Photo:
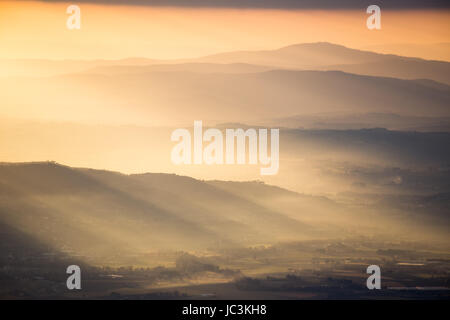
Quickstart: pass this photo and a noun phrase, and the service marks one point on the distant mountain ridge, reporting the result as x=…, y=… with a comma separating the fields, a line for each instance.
x=224, y=97
x=307, y=56
x=328, y=56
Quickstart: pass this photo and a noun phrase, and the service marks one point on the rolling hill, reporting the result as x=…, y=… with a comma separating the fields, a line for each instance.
x=100, y=213
x=104, y=216
x=307, y=56
x=177, y=97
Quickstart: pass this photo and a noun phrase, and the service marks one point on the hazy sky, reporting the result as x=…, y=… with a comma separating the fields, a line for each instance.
x=30, y=29
x=278, y=4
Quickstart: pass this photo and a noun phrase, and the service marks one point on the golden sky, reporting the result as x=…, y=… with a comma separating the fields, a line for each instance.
x=38, y=30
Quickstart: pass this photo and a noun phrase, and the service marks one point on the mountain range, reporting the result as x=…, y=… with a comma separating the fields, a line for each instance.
x=307, y=56
x=104, y=214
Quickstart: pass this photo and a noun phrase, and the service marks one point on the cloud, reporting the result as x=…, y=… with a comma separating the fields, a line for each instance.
x=279, y=4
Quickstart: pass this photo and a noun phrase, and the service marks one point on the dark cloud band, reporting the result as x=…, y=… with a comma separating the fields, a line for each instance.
x=280, y=4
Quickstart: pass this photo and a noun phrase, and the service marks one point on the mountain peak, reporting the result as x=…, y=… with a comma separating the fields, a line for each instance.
x=314, y=45
x=327, y=48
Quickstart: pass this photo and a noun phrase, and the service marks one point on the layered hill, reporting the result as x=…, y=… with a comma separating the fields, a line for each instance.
x=107, y=216
x=306, y=56
x=174, y=97
x=104, y=214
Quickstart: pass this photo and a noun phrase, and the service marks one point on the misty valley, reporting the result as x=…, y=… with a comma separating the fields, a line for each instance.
x=358, y=163
x=214, y=152
x=162, y=236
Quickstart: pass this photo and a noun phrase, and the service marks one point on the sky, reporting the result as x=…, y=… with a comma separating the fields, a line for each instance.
x=277, y=4
x=30, y=29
